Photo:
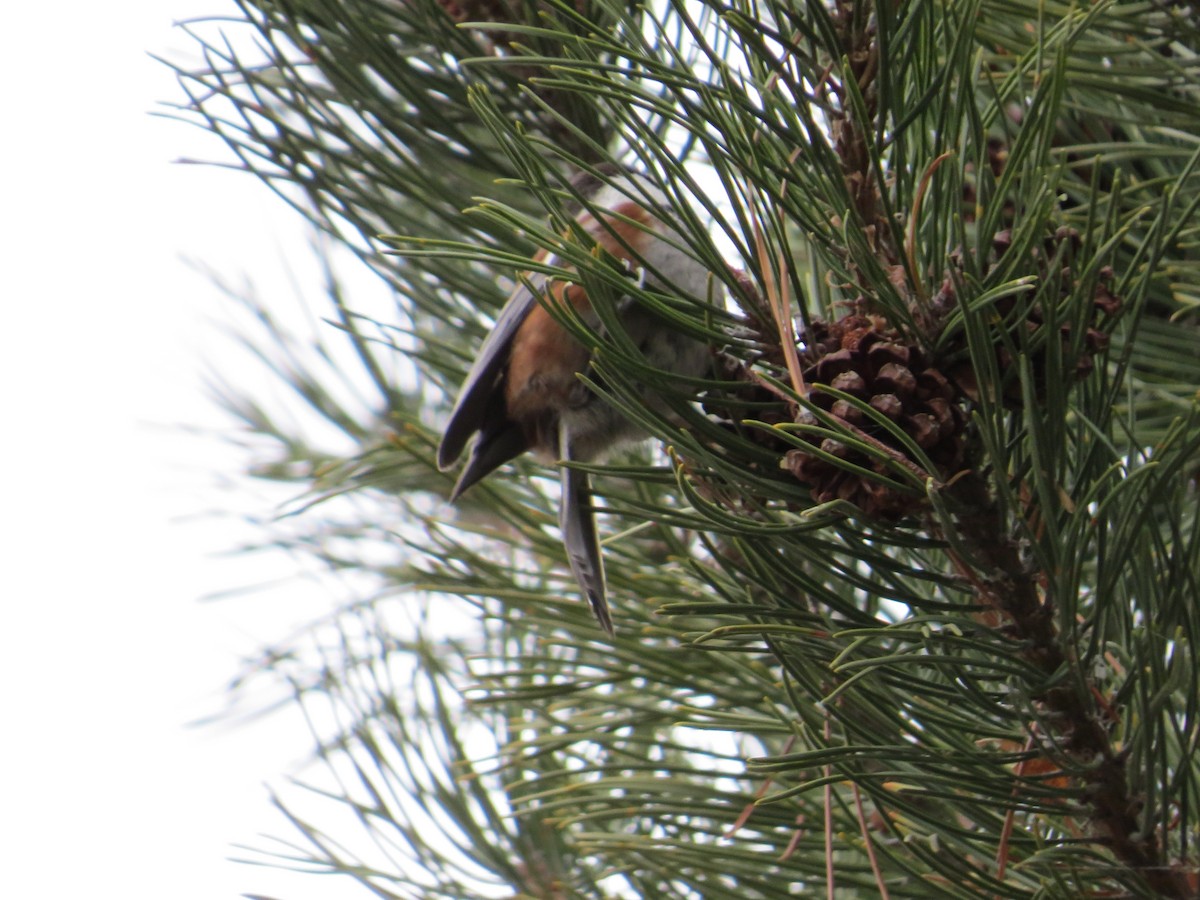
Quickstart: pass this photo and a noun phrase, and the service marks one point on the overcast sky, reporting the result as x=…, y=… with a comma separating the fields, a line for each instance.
x=107, y=542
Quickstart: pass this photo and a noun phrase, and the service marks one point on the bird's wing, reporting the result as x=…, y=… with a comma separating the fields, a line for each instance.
x=578, y=523
x=479, y=400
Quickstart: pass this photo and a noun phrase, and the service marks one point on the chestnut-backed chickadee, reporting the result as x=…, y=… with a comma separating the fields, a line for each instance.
x=524, y=391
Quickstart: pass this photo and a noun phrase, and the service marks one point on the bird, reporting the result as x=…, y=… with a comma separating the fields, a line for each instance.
x=524, y=392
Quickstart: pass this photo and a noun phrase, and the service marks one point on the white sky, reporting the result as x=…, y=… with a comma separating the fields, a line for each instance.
x=106, y=652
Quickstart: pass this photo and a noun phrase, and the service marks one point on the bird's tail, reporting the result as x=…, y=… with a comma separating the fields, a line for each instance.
x=578, y=523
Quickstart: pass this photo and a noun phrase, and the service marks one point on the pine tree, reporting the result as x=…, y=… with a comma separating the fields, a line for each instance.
x=907, y=599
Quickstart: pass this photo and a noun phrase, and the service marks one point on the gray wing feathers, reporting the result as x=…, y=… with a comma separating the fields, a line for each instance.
x=480, y=401
x=496, y=446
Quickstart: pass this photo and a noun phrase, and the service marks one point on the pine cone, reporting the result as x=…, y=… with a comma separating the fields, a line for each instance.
x=861, y=356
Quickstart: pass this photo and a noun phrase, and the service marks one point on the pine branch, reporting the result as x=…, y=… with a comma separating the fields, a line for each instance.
x=1070, y=730
x=912, y=581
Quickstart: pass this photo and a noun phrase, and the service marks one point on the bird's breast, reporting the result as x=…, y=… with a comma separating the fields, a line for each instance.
x=543, y=365
x=542, y=388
